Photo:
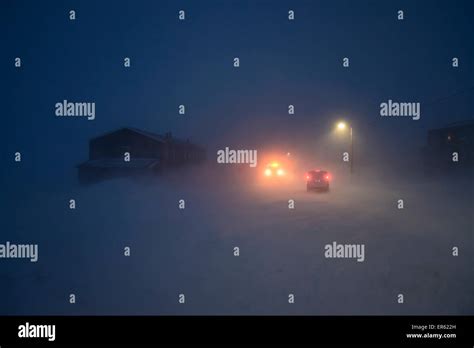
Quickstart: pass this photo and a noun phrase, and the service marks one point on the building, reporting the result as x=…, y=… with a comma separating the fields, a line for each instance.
x=131, y=151
x=455, y=139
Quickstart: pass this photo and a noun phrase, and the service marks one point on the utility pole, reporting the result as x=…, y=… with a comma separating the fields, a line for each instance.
x=352, y=152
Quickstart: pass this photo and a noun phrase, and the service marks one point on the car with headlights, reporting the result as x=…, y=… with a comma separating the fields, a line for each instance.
x=317, y=180
x=274, y=170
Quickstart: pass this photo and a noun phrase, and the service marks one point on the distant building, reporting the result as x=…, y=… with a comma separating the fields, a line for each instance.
x=443, y=142
x=130, y=151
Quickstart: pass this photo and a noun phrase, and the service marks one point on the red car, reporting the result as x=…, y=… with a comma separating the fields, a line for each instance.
x=317, y=180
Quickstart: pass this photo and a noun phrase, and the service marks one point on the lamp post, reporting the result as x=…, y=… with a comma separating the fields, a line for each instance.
x=342, y=126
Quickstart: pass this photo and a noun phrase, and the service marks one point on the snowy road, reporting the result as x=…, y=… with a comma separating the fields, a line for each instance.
x=190, y=251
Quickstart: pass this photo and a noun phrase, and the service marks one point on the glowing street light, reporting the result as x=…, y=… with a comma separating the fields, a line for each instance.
x=341, y=126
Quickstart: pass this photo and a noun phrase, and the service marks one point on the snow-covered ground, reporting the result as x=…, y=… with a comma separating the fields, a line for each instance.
x=190, y=251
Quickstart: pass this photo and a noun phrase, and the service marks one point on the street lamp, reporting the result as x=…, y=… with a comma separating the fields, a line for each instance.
x=342, y=126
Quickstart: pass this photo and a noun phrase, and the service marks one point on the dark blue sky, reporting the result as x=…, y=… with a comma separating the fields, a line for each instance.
x=190, y=62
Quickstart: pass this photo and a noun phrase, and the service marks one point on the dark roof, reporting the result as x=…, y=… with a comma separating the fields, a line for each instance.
x=458, y=124
x=158, y=137
x=151, y=135
x=139, y=163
